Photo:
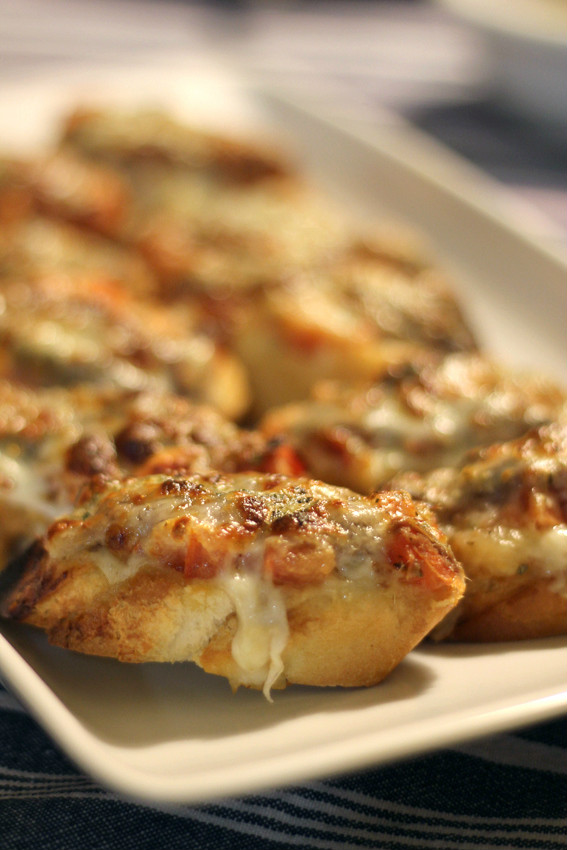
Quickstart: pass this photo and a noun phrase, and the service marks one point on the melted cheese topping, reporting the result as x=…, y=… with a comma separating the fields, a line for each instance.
x=21, y=485
x=263, y=629
x=423, y=421
x=506, y=551
x=115, y=569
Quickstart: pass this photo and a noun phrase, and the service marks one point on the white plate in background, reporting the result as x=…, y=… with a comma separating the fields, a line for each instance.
x=170, y=734
x=526, y=53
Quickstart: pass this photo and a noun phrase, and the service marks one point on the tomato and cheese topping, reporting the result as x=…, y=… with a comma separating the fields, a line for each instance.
x=425, y=414
x=144, y=258
x=52, y=441
x=55, y=332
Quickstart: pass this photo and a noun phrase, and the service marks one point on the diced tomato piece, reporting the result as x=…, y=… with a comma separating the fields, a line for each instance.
x=297, y=563
x=198, y=561
x=284, y=460
x=420, y=560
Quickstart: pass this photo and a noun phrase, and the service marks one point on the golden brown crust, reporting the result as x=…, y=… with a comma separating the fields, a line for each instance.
x=534, y=610
x=153, y=617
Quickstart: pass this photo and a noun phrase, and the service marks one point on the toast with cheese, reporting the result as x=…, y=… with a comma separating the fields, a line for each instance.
x=261, y=578
x=504, y=510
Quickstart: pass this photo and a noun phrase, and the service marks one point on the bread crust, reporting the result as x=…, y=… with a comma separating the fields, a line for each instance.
x=532, y=611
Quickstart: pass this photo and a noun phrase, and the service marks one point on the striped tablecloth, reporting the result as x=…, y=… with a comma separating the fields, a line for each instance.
x=353, y=59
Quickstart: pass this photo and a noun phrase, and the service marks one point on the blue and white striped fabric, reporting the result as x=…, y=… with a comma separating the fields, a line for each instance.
x=503, y=793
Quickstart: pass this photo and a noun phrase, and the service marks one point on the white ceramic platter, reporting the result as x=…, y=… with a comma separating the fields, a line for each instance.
x=168, y=734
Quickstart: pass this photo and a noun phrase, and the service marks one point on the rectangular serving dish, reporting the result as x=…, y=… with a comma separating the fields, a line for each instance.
x=169, y=734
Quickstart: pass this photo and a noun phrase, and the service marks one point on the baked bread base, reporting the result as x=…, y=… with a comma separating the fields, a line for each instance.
x=339, y=634
x=508, y=612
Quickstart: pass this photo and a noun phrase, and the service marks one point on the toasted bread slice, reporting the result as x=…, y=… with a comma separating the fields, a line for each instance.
x=260, y=578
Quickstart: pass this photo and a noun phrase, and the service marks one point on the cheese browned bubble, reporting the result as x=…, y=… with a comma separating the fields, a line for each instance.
x=249, y=575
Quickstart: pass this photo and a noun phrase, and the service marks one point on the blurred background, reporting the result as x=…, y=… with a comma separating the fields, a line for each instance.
x=486, y=80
